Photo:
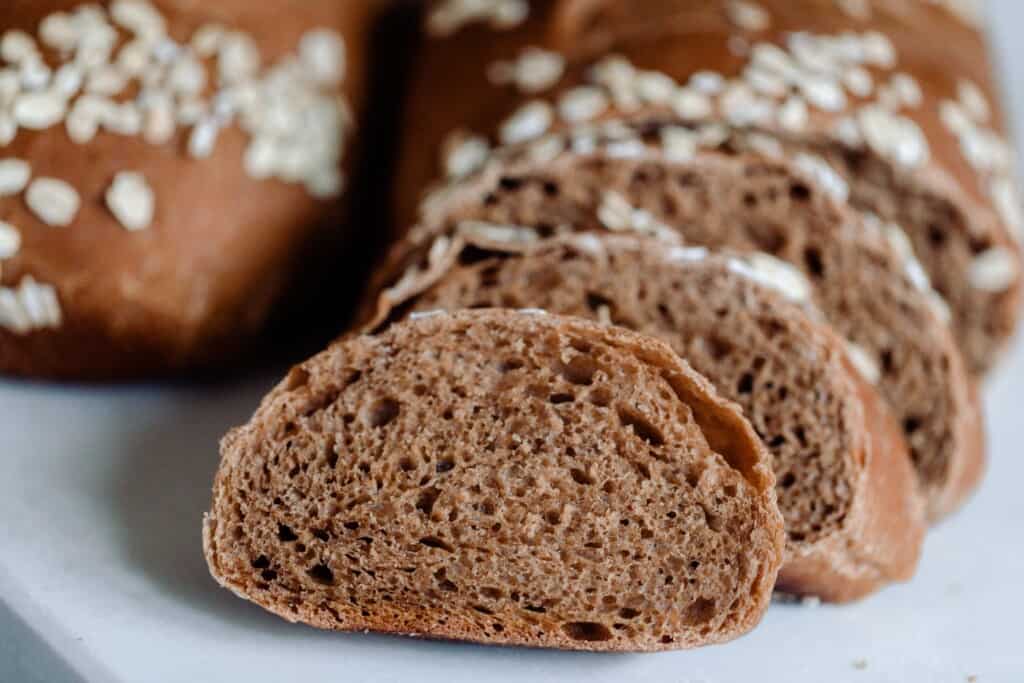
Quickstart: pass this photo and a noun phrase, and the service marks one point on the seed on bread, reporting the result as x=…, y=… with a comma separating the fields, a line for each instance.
x=54, y=201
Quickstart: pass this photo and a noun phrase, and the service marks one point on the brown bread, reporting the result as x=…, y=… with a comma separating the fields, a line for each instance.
x=846, y=488
x=192, y=284
x=898, y=104
x=502, y=477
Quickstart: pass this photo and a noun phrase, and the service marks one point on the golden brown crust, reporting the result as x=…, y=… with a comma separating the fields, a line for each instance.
x=195, y=286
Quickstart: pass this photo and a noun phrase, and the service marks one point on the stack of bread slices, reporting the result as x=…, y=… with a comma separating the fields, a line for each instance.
x=689, y=303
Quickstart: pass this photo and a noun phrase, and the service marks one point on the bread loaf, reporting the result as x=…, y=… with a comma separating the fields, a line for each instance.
x=501, y=477
x=846, y=488
x=746, y=203
x=892, y=102
x=163, y=164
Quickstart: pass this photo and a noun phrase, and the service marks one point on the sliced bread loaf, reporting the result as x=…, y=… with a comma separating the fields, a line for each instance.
x=897, y=100
x=501, y=477
x=854, y=518
x=867, y=289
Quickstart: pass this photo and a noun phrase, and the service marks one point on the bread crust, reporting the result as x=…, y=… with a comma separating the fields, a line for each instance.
x=882, y=538
x=725, y=428
x=677, y=38
x=195, y=287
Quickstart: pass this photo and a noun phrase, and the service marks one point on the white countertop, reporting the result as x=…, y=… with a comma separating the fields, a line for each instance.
x=102, y=576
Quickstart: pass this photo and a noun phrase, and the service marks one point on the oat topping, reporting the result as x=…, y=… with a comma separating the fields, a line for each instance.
x=584, y=103
x=996, y=270
x=39, y=110
x=546, y=149
x=691, y=104
x=824, y=175
x=449, y=16
x=849, y=80
x=29, y=307
x=749, y=16
x=422, y=315
x=686, y=254
x=53, y=201
x=290, y=111
x=131, y=200
x=533, y=72
x=14, y=176
x=794, y=114
x=465, y=154
x=864, y=363
x=148, y=85
x=986, y=151
x=618, y=215
x=10, y=240
x=497, y=233
x=774, y=273
x=679, y=144
x=1009, y=203
x=779, y=88
x=893, y=137
x=531, y=121
x=901, y=245
x=859, y=81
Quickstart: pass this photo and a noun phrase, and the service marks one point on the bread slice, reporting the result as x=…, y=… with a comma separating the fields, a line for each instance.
x=501, y=477
x=847, y=491
x=718, y=198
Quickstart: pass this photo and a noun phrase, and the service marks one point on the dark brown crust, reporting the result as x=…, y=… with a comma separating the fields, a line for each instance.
x=678, y=38
x=882, y=539
x=197, y=286
x=736, y=437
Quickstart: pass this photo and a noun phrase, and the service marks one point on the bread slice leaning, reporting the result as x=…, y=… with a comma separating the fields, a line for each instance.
x=748, y=203
x=847, y=491
x=501, y=477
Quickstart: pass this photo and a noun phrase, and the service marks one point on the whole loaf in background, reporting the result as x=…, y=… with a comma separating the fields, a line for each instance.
x=163, y=165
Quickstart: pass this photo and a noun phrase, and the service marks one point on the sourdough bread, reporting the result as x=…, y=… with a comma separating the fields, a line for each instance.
x=501, y=477
x=847, y=491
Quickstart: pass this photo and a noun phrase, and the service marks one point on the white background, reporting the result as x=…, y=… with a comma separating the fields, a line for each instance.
x=102, y=492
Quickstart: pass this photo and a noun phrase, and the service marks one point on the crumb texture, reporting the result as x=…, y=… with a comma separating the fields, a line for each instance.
x=758, y=350
x=500, y=477
x=725, y=200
